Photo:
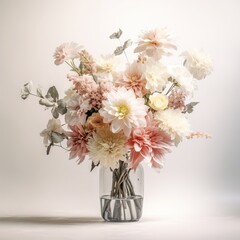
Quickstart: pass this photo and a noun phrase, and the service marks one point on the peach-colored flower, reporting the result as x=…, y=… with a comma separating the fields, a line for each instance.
x=133, y=78
x=77, y=142
x=149, y=144
x=95, y=121
x=156, y=43
x=65, y=52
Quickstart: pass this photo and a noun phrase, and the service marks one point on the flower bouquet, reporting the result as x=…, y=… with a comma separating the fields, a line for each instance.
x=118, y=115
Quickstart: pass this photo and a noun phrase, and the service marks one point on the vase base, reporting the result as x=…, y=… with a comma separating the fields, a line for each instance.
x=121, y=209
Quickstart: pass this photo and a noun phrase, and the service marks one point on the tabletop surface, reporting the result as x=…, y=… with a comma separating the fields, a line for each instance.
x=92, y=227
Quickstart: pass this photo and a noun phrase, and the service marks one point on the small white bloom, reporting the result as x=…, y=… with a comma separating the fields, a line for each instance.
x=77, y=108
x=107, y=148
x=158, y=101
x=53, y=126
x=174, y=122
x=107, y=63
x=123, y=110
x=156, y=75
x=185, y=80
x=198, y=63
x=66, y=51
x=69, y=94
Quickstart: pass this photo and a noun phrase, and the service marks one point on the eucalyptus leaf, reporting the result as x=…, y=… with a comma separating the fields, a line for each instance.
x=127, y=44
x=24, y=95
x=119, y=50
x=39, y=92
x=57, y=137
x=190, y=106
x=46, y=102
x=116, y=35
x=49, y=147
x=26, y=90
x=62, y=107
x=55, y=112
x=28, y=87
x=52, y=94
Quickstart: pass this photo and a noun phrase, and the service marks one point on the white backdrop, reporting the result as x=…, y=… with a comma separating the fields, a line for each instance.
x=200, y=176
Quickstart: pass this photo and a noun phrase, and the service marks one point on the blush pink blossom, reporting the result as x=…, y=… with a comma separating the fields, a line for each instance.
x=133, y=78
x=77, y=142
x=83, y=84
x=149, y=143
x=156, y=43
x=65, y=52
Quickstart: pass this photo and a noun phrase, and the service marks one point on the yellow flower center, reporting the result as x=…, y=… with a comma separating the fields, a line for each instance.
x=134, y=78
x=122, y=110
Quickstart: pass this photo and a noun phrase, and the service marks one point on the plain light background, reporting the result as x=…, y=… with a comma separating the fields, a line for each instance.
x=201, y=177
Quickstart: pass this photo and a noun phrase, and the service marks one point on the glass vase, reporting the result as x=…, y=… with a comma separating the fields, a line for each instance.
x=121, y=193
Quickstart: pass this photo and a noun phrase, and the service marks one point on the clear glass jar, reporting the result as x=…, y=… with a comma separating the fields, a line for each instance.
x=121, y=193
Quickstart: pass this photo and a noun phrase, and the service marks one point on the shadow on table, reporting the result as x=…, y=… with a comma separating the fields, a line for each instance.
x=52, y=220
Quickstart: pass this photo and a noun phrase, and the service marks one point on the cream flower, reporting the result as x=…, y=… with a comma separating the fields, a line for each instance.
x=198, y=63
x=107, y=148
x=156, y=75
x=107, y=63
x=173, y=122
x=123, y=110
x=69, y=94
x=158, y=101
x=65, y=52
x=53, y=126
x=156, y=43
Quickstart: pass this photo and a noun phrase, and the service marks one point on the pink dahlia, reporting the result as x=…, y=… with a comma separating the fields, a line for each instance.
x=133, y=78
x=77, y=142
x=155, y=43
x=149, y=143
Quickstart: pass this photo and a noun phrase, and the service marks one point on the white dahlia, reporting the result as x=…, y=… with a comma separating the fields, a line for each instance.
x=198, y=63
x=123, y=111
x=156, y=75
x=173, y=122
x=184, y=79
x=107, y=148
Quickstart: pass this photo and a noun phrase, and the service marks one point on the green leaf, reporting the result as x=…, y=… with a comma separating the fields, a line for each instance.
x=127, y=44
x=57, y=137
x=61, y=108
x=26, y=90
x=39, y=92
x=55, y=112
x=49, y=148
x=52, y=94
x=189, y=107
x=24, y=95
x=116, y=35
x=46, y=102
x=119, y=50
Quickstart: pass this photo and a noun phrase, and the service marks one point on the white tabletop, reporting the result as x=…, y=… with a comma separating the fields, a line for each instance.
x=72, y=227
